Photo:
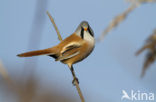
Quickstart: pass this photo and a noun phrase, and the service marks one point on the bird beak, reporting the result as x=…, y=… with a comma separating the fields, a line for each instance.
x=85, y=29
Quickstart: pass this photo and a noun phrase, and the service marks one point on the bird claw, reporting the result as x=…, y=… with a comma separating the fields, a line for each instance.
x=75, y=80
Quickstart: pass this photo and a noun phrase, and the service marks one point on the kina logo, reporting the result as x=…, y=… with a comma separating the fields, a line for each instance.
x=137, y=96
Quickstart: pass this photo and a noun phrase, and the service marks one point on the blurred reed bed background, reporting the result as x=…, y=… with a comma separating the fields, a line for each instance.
x=28, y=89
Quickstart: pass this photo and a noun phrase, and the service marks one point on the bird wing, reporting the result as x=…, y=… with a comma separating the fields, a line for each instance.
x=69, y=51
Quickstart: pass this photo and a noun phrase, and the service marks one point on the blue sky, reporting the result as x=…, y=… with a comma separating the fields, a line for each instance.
x=111, y=67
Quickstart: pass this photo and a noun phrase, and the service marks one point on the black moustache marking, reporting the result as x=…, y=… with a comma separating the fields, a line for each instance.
x=82, y=32
x=90, y=32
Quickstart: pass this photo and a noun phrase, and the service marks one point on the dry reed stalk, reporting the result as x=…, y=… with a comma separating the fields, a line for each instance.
x=60, y=38
x=121, y=17
x=151, y=54
x=53, y=22
x=4, y=73
x=116, y=21
x=7, y=79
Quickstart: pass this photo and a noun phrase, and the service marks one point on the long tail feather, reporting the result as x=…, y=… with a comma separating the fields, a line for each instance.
x=37, y=53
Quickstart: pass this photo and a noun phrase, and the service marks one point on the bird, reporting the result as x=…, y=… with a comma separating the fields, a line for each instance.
x=72, y=49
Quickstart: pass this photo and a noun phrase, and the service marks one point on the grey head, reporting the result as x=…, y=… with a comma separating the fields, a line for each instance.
x=83, y=29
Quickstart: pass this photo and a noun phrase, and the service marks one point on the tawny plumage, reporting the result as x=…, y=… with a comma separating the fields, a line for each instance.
x=71, y=50
x=36, y=53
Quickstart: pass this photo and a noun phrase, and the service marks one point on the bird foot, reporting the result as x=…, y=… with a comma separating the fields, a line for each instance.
x=75, y=80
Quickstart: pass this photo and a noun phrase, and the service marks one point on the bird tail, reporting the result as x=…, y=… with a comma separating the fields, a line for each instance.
x=49, y=51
